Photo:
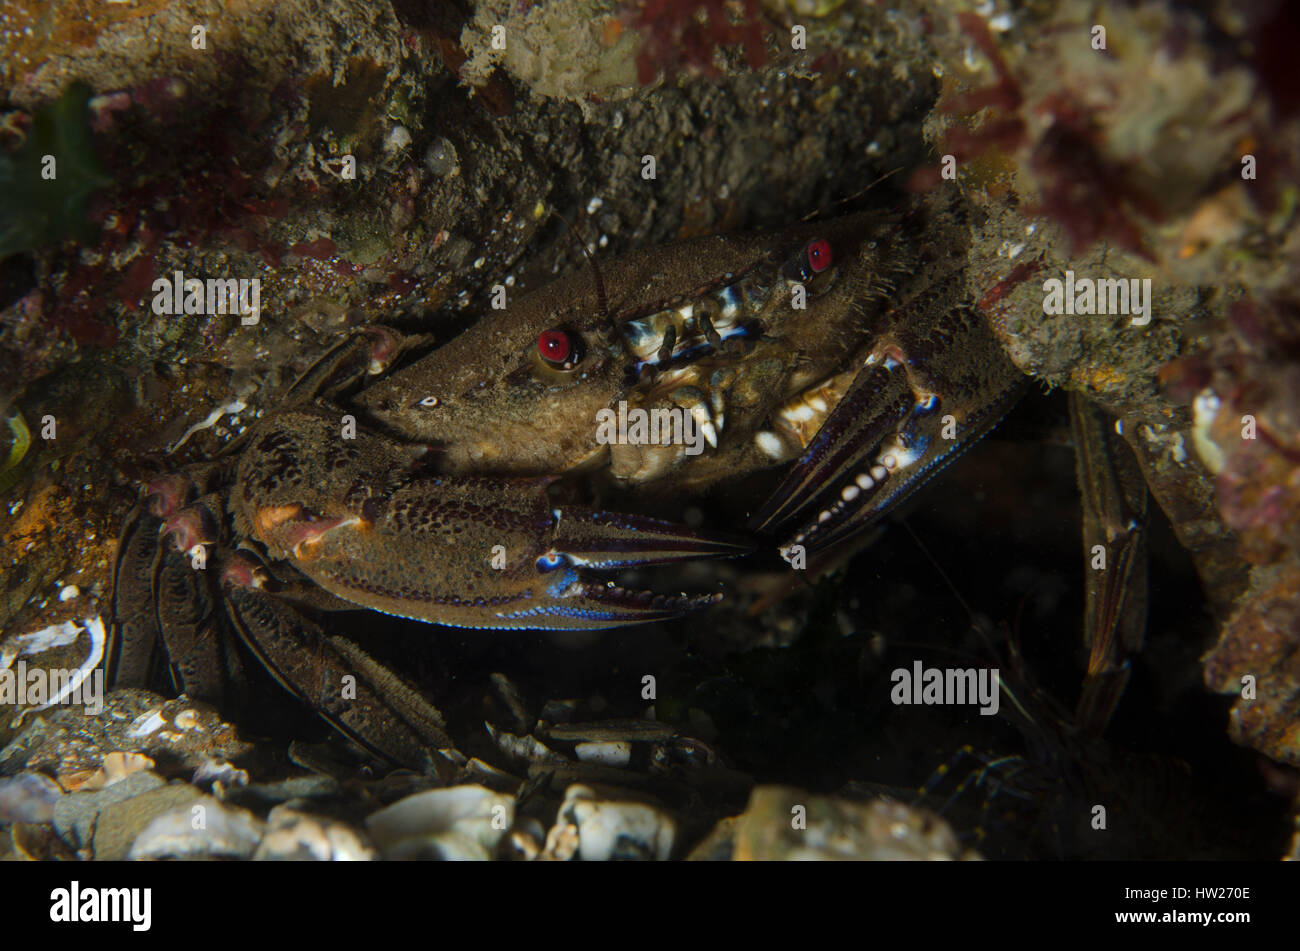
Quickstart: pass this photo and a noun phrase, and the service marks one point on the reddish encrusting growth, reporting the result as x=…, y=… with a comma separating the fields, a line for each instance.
x=321, y=249
x=202, y=193
x=687, y=33
x=1017, y=275
x=1079, y=187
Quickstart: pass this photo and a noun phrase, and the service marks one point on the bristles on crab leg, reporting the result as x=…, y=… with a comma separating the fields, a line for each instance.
x=381, y=713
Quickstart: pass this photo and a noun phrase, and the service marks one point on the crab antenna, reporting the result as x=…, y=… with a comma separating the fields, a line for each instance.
x=818, y=212
x=601, y=301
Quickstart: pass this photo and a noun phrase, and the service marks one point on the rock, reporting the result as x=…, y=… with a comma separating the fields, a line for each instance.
x=292, y=835
x=76, y=814
x=296, y=787
x=38, y=842
x=202, y=829
x=28, y=797
x=463, y=822
x=719, y=845
x=596, y=828
x=607, y=753
x=120, y=823
x=787, y=824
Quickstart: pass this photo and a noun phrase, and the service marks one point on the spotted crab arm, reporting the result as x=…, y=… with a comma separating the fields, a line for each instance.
x=455, y=550
x=910, y=412
x=358, y=696
x=875, y=404
x=523, y=566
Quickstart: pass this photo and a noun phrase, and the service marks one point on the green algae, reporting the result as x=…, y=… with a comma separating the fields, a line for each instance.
x=45, y=204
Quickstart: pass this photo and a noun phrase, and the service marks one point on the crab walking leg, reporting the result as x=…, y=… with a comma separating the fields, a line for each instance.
x=190, y=628
x=358, y=696
x=923, y=395
x=134, y=633
x=1115, y=548
x=189, y=620
x=368, y=352
x=468, y=552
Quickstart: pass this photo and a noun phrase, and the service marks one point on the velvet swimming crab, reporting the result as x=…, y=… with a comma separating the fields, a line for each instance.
x=848, y=349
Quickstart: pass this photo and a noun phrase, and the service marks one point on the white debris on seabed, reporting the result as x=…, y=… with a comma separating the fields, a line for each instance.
x=294, y=835
x=206, y=829
x=618, y=753
x=147, y=723
x=459, y=823
x=232, y=408
x=527, y=748
x=596, y=828
x=36, y=642
x=117, y=767
x=47, y=638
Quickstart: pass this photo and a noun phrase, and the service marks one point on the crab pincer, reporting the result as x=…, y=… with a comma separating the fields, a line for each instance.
x=912, y=408
x=457, y=550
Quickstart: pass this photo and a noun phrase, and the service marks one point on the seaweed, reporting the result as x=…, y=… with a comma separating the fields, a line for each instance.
x=686, y=33
x=38, y=210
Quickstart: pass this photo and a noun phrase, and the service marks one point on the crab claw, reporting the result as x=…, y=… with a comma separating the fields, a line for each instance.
x=577, y=603
x=900, y=422
x=597, y=539
x=461, y=551
x=588, y=539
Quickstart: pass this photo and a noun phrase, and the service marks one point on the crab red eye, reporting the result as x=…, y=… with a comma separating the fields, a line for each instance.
x=819, y=255
x=810, y=260
x=558, y=348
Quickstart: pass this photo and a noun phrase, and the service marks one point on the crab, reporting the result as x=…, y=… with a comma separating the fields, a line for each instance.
x=847, y=350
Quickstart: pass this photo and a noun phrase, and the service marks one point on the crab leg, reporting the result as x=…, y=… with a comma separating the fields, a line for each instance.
x=367, y=353
x=134, y=632
x=915, y=405
x=359, y=697
x=1115, y=546
x=462, y=551
x=189, y=621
